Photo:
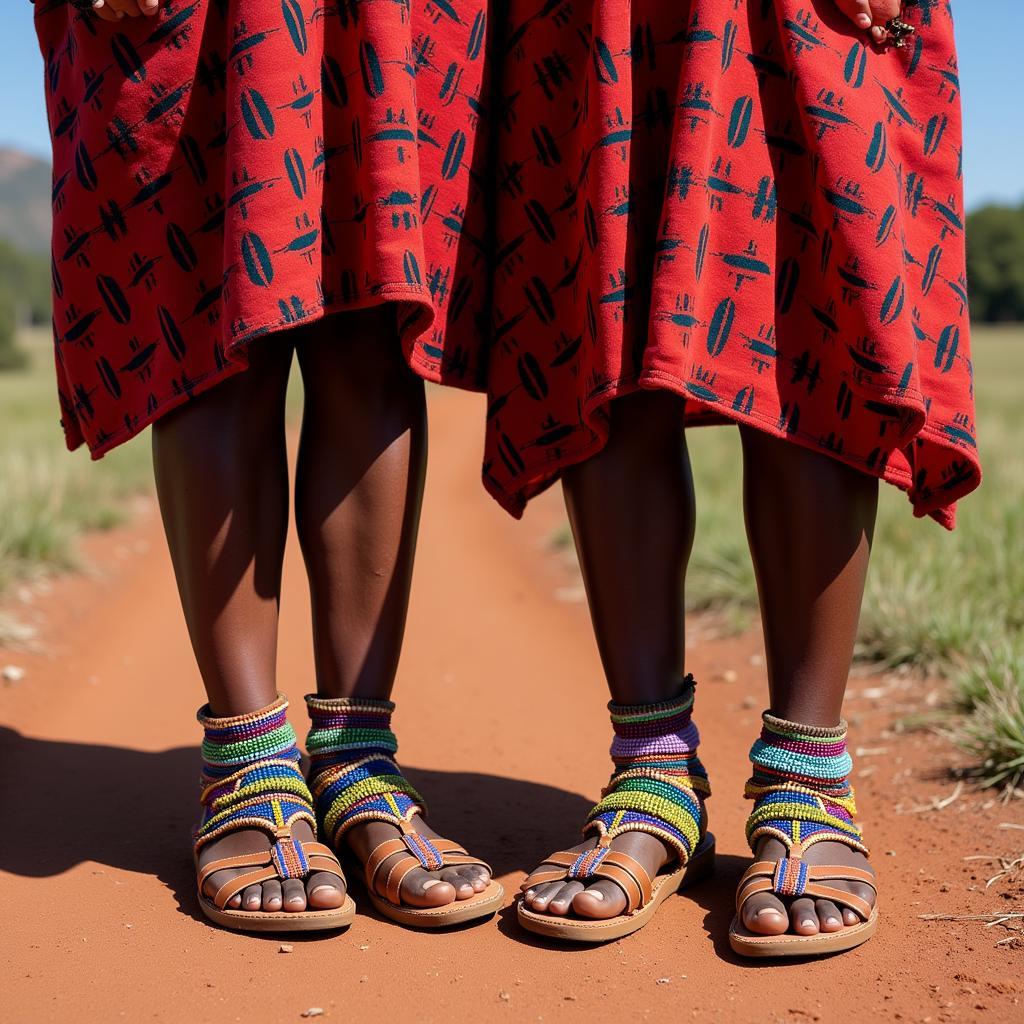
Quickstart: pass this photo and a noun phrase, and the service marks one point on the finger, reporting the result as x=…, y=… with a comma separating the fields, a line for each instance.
x=147, y=8
x=858, y=11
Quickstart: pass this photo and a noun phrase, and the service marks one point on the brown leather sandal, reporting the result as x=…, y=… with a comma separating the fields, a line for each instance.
x=384, y=888
x=792, y=876
x=643, y=894
x=281, y=861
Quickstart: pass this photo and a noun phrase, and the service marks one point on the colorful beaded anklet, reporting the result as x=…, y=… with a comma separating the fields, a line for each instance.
x=251, y=779
x=659, y=783
x=801, y=789
x=354, y=774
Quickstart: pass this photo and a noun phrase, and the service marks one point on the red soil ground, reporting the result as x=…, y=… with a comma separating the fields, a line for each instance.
x=502, y=722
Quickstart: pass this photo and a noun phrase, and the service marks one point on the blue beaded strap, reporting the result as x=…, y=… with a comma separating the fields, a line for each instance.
x=269, y=796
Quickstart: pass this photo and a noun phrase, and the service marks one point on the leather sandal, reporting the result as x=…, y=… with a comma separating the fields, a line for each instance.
x=249, y=799
x=659, y=786
x=802, y=795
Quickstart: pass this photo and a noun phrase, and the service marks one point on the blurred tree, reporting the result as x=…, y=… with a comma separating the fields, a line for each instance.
x=995, y=263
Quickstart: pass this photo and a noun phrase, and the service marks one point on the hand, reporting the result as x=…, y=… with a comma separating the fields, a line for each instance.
x=115, y=10
x=870, y=15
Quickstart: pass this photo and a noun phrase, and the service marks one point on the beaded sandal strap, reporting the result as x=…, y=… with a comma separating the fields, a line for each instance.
x=801, y=788
x=251, y=780
x=659, y=786
x=355, y=779
x=659, y=783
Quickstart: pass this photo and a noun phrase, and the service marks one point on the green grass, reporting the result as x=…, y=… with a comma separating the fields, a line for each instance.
x=49, y=496
x=948, y=604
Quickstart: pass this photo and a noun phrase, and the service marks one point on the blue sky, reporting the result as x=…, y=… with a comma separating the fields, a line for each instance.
x=990, y=36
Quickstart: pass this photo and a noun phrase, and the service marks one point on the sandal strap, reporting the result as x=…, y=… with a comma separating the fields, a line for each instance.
x=600, y=862
x=268, y=795
x=659, y=783
x=288, y=858
x=792, y=876
x=234, y=886
x=372, y=788
x=449, y=854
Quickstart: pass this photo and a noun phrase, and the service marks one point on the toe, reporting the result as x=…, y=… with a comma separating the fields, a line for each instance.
x=235, y=902
x=479, y=877
x=422, y=889
x=850, y=918
x=324, y=891
x=829, y=918
x=460, y=883
x=802, y=917
x=252, y=897
x=272, y=895
x=561, y=903
x=600, y=900
x=542, y=896
x=765, y=915
x=293, y=894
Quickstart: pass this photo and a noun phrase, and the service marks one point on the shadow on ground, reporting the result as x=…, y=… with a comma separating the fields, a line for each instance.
x=75, y=793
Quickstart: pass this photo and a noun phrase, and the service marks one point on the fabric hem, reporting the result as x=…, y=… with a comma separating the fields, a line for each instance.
x=942, y=510
x=428, y=369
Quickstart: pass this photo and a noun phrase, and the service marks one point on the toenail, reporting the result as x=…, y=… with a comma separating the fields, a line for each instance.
x=807, y=922
x=321, y=888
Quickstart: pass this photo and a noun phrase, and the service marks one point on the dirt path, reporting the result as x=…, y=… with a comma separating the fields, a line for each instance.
x=502, y=720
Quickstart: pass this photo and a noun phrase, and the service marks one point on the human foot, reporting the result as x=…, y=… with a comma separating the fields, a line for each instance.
x=365, y=802
x=255, y=846
x=651, y=814
x=602, y=898
x=810, y=888
x=320, y=890
x=419, y=887
x=767, y=914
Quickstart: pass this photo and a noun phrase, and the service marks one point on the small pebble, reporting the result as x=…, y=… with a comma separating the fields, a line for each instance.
x=313, y=1011
x=664, y=981
x=13, y=673
x=504, y=996
x=285, y=948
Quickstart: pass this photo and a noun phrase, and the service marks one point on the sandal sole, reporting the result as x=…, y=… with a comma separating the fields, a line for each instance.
x=574, y=929
x=483, y=904
x=750, y=944
x=270, y=921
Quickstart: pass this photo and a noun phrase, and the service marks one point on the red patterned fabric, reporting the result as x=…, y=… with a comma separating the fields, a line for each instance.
x=233, y=168
x=742, y=203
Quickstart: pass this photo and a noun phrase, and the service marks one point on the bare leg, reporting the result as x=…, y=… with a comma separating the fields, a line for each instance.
x=222, y=481
x=810, y=521
x=631, y=508
x=359, y=489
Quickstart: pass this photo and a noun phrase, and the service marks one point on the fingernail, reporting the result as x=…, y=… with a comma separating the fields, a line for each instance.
x=864, y=20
